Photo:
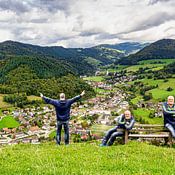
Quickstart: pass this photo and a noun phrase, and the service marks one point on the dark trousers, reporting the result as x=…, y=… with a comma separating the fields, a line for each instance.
x=111, y=136
x=171, y=129
x=66, y=131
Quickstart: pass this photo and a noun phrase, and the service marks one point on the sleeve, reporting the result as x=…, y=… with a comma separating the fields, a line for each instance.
x=119, y=120
x=50, y=101
x=129, y=125
x=73, y=100
x=165, y=111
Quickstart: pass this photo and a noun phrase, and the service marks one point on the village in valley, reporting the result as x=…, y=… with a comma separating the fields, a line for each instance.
x=38, y=124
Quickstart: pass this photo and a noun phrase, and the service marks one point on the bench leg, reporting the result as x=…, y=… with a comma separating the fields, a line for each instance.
x=126, y=137
x=170, y=140
x=166, y=141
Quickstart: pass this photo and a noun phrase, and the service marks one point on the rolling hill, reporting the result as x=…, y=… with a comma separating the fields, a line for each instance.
x=127, y=48
x=162, y=49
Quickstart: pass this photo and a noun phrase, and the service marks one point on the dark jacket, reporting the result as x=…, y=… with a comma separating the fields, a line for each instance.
x=62, y=107
x=125, y=124
x=169, y=114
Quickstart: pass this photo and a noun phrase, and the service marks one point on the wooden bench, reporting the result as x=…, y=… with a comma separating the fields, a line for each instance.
x=148, y=131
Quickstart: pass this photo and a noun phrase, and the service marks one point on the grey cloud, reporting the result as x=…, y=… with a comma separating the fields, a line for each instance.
x=91, y=32
x=155, y=20
x=52, y=5
x=150, y=22
x=105, y=35
x=39, y=20
x=152, y=2
x=13, y=5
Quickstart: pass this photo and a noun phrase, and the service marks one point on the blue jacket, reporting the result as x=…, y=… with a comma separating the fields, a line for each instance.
x=62, y=107
x=169, y=114
x=125, y=124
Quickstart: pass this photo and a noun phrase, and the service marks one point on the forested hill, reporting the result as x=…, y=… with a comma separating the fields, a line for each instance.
x=162, y=49
x=64, y=61
x=31, y=69
x=80, y=60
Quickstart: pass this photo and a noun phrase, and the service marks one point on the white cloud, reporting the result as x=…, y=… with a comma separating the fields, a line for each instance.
x=84, y=23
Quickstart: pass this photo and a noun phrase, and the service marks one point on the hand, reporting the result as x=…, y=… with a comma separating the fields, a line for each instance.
x=82, y=94
x=127, y=123
x=41, y=95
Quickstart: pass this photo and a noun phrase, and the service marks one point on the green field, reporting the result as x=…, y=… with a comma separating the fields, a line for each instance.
x=8, y=122
x=161, y=92
x=87, y=159
x=32, y=97
x=7, y=105
x=151, y=64
x=153, y=61
x=94, y=78
x=136, y=99
x=2, y=103
x=144, y=114
x=93, y=61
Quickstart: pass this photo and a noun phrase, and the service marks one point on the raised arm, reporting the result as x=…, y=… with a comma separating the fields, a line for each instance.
x=48, y=100
x=73, y=100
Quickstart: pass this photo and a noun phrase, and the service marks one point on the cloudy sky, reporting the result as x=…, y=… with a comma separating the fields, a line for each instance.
x=85, y=23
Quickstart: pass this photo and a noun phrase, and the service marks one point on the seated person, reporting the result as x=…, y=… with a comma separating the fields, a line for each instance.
x=169, y=115
x=125, y=121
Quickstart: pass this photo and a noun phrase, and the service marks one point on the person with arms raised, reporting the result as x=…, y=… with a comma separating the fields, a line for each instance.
x=62, y=107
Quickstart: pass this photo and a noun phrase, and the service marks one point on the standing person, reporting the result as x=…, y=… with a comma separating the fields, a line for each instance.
x=125, y=121
x=62, y=108
x=169, y=115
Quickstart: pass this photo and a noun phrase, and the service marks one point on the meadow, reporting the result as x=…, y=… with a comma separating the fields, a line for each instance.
x=87, y=159
x=8, y=122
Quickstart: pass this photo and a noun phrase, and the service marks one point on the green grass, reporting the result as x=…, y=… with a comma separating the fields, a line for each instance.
x=94, y=78
x=136, y=99
x=119, y=68
x=144, y=114
x=32, y=97
x=2, y=103
x=8, y=122
x=150, y=64
x=93, y=61
x=161, y=92
x=164, y=61
x=7, y=105
x=87, y=159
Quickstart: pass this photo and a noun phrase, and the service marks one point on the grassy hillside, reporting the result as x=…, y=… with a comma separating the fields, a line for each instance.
x=87, y=159
x=143, y=114
x=160, y=93
x=2, y=103
x=153, y=64
x=8, y=122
